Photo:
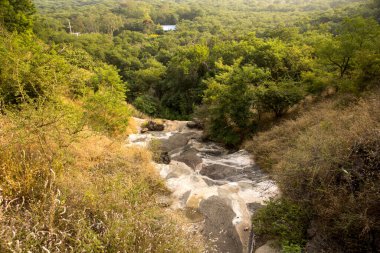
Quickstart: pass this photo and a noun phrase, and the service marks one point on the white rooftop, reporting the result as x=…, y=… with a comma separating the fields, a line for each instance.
x=167, y=28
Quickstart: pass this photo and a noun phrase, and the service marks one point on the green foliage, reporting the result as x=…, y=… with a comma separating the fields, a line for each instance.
x=107, y=113
x=147, y=105
x=15, y=15
x=291, y=248
x=354, y=35
x=147, y=78
x=277, y=97
x=185, y=72
x=29, y=71
x=285, y=220
x=171, y=67
x=230, y=101
x=237, y=97
x=316, y=82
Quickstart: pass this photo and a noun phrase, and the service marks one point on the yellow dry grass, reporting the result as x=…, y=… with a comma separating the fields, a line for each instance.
x=326, y=161
x=92, y=195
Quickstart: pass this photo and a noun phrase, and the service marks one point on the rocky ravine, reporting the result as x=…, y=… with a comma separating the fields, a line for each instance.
x=217, y=189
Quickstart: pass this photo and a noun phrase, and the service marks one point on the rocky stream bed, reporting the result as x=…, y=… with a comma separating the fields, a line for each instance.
x=218, y=189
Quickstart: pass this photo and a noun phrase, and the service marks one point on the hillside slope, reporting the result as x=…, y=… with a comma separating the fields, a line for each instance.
x=326, y=162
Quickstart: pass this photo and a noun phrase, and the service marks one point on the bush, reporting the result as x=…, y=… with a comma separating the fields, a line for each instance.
x=147, y=105
x=316, y=82
x=284, y=220
x=107, y=113
x=277, y=97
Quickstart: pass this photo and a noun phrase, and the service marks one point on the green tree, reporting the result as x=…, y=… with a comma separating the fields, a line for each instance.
x=230, y=101
x=277, y=97
x=183, y=88
x=15, y=15
x=146, y=79
x=106, y=111
x=354, y=35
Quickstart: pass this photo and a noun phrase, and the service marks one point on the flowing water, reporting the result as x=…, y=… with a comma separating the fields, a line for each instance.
x=216, y=188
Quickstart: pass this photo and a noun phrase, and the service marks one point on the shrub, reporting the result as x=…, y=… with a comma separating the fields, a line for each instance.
x=107, y=113
x=147, y=105
x=277, y=97
x=284, y=220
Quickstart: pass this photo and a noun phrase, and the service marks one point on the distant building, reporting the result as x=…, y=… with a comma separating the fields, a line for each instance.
x=168, y=28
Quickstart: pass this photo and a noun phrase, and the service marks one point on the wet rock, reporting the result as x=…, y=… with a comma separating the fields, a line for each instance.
x=165, y=158
x=218, y=227
x=211, y=182
x=231, y=174
x=269, y=247
x=219, y=172
x=253, y=207
x=174, y=142
x=214, y=152
x=185, y=197
x=194, y=125
x=190, y=158
x=178, y=169
x=154, y=126
x=144, y=130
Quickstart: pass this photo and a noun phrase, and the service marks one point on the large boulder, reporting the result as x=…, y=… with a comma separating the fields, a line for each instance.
x=218, y=227
x=219, y=172
x=189, y=157
x=155, y=126
x=232, y=174
x=177, y=170
x=194, y=125
x=174, y=142
x=269, y=247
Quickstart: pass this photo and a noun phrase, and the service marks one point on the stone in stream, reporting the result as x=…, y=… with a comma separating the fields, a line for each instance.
x=189, y=157
x=175, y=141
x=218, y=227
x=154, y=126
x=164, y=157
x=231, y=174
x=269, y=247
x=219, y=172
x=178, y=170
x=194, y=125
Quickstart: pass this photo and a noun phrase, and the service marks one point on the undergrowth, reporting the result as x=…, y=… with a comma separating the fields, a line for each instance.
x=64, y=188
x=326, y=162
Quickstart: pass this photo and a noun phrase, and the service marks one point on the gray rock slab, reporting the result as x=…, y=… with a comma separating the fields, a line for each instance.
x=218, y=227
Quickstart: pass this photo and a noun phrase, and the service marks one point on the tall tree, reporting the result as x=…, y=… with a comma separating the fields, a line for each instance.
x=355, y=35
x=15, y=15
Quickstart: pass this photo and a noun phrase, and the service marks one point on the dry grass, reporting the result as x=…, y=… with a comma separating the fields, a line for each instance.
x=90, y=195
x=270, y=147
x=327, y=161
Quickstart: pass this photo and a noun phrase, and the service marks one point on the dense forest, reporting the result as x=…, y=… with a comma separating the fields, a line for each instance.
x=296, y=82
